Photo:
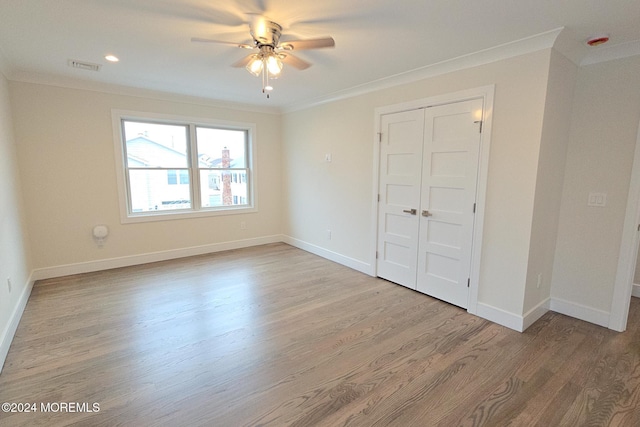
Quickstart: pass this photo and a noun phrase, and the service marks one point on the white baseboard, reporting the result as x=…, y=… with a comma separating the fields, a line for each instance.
x=579, y=311
x=9, y=332
x=355, y=264
x=106, y=264
x=535, y=313
x=636, y=290
x=501, y=317
x=520, y=323
x=512, y=320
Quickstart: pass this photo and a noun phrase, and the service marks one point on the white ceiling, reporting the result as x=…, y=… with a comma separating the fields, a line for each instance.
x=375, y=40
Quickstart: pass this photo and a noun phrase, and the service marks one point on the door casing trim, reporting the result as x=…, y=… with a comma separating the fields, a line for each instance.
x=623, y=285
x=486, y=93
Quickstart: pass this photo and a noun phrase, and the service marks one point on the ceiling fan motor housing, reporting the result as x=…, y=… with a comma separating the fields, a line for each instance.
x=266, y=32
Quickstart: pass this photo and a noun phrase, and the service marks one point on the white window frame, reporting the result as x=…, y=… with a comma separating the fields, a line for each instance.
x=127, y=216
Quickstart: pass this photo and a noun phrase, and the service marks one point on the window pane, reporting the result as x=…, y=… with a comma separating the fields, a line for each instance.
x=151, y=190
x=184, y=177
x=223, y=188
x=221, y=148
x=172, y=177
x=153, y=145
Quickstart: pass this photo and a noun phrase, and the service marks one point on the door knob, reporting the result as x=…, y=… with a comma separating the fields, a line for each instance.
x=410, y=211
x=426, y=213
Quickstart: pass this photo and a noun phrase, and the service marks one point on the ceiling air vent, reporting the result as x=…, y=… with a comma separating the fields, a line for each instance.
x=83, y=65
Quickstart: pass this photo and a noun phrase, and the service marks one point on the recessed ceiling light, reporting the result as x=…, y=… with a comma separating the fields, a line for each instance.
x=111, y=58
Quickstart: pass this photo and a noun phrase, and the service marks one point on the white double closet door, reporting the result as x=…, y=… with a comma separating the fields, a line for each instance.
x=427, y=190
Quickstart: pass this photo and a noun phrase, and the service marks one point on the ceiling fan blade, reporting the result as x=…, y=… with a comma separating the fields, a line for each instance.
x=171, y=9
x=201, y=40
x=243, y=62
x=261, y=5
x=294, y=61
x=307, y=44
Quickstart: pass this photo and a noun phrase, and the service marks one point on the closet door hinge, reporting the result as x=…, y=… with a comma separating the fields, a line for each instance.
x=474, y=208
x=468, y=282
x=379, y=136
x=480, y=129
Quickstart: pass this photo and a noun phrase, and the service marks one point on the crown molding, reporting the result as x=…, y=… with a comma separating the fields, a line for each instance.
x=523, y=46
x=569, y=45
x=73, y=83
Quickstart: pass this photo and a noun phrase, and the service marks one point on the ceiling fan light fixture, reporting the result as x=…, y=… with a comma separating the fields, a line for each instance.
x=268, y=62
x=255, y=65
x=274, y=65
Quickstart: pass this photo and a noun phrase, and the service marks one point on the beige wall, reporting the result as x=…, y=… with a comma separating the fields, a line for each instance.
x=606, y=112
x=66, y=159
x=551, y=166
x=338, y=195
x=66, y=181
x=15, y=261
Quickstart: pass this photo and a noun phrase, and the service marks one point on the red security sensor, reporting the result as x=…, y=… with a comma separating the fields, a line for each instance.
x=597, y=41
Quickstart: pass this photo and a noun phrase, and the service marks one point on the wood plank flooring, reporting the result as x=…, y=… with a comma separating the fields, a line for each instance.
x=275, y=336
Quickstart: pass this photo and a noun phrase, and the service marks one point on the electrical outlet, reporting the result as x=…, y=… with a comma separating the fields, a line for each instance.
x=328, y=234
x=243, y=225
x=9, y=283
x=597, y=199
x=539, y=280
x=327, y=157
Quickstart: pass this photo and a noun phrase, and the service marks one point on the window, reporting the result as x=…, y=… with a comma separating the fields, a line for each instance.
x=177, y=167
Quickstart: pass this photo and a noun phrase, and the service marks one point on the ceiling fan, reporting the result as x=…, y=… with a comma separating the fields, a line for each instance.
x=271, y=52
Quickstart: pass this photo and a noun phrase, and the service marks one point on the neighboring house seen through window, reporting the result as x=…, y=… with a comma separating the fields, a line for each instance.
x=184, y=167
x=172, y=177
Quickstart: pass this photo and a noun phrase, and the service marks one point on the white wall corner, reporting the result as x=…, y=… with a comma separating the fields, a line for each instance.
x=10, y=330
x=576, y=50
x=531, y=316
x=569, y=44
x=579, y=311
x=636, y=290
x=353, y=263
x=501, y=317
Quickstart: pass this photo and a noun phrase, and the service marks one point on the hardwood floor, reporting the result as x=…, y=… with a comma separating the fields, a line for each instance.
x=274, y=336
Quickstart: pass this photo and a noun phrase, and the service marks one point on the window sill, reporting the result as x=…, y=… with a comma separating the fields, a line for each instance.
x=174, y=215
